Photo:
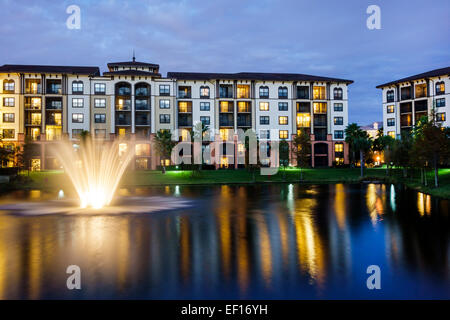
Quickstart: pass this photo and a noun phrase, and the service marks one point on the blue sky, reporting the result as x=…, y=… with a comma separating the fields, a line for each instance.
x=326, y=37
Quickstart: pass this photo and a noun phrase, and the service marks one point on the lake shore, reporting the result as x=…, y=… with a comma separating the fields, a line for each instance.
x=55, y=180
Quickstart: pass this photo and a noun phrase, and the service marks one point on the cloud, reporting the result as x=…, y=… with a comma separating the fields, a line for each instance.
x=327, y=38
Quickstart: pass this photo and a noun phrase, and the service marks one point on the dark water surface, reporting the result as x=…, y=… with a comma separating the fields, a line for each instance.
x=264, y=241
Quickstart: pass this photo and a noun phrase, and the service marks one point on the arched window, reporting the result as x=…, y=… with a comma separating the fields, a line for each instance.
x=337, y=93
x=264, y=92
x=204, y=92
x=77, y=87
x=282, y=92
x=390, y=96
x=440, y=87
x=8, y=85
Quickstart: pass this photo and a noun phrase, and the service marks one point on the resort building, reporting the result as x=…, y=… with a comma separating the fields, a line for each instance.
x=132, y=101
x=406, y=100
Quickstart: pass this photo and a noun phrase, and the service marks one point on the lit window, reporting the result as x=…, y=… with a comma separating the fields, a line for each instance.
x=243, y=106
x=391, y=134
x=338, y=121
x=241, y=147
x=319, y=93
x=339, y=147
x=99, y=103
x=303, y=120
x=283, y=120
x=440, y=87
x=226, y=106
x=204, y=92
x=8, y=102
x=77, y=103
x=142, y=149
x=390, y=109
x=263, y=106
x=224, y=134
x=77, y=87
x=185, y=135
x=8, y=117
x=77, y=118
x=243, y=91
x=320, y=107
x=8, y=85
x=440, y=116
x=184, y=106
x=8, y=134
x=99, y=88
x=283, y=134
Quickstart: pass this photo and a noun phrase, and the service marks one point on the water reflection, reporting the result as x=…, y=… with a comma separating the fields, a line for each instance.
x=265, y=241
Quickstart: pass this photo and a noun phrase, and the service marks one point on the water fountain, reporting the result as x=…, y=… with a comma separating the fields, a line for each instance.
x=95, y=168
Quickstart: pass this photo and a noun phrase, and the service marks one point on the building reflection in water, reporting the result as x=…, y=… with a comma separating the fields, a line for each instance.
x=264, y=241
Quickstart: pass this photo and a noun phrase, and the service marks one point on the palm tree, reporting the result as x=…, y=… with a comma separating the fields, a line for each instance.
x=164, y=145
x=352, y=132
x=362, y=143
x=199, y=130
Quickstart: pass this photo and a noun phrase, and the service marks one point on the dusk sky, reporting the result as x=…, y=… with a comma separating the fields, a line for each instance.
x=326, y=38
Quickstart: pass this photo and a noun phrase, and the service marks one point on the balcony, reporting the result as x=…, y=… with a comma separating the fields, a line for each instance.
x=406, y=107
x=123, y=122
x=320, y=134
x=123, y=105
x=244, y=120
x=184, y=92
x=303, y=92
x=405, y=93
x=184, y=107
x=226, y=91
x=185, y=120
x=142, y=105
x=303, y=107
x=53, y=104
x=420, y=105
x=53, y=87
x=142, y=91
x=143, y=120
x=406, y=120
x=244, y=107
x=226, y=120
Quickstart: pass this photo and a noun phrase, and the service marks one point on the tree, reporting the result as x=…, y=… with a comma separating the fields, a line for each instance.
x=401, y=151
x=284, y=156
x=164, y=145
x=363, y=144
x=383, y=144
x=432, y=143
x=352, y=132
x=302, y=149
x=198, y=132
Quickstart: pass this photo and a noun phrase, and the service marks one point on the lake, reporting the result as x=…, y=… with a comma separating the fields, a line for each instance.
x=266, y=241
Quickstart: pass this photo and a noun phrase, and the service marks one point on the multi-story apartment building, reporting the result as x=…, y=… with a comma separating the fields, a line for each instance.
x=132, y=101
x=406, y=100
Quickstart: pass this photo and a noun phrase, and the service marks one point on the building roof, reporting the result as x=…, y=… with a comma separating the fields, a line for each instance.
x=131, y=72
x=252, y=76
x=132, y=64
x=428, y=74
x=20, y=68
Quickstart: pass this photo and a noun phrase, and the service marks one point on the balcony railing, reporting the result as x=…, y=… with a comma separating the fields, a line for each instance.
x=33, y=122
x=142, y=106
x=29, y=90
x=123, y=107
x=29, y=106
x=53, y=107
x=184, y=95
x=123, y=122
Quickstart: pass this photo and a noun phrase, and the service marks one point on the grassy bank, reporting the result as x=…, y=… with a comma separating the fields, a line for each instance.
x=54, y=180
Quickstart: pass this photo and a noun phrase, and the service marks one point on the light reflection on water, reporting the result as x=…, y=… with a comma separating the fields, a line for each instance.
x=264, y=241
